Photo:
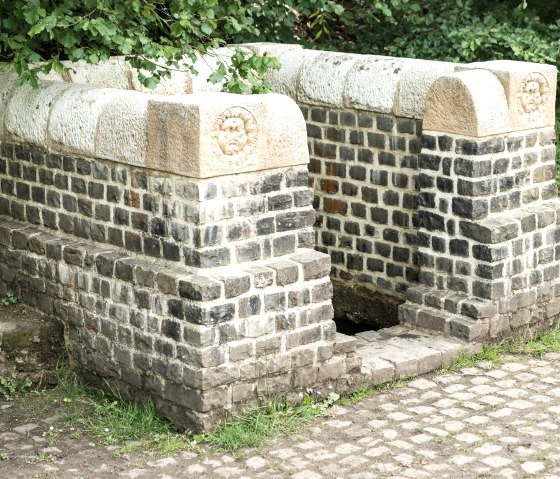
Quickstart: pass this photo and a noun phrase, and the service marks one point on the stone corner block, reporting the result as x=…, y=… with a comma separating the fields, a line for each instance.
x=470, y=103
x=491, y=230
x=199, y=288
x=213, y=134
x=344, y=344
x=315, y=264
x=530, y=89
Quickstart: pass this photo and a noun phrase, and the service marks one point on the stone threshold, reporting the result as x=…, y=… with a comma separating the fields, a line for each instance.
x=402, y=352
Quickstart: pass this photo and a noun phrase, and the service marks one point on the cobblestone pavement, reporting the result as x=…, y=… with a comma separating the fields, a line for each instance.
x=483, y=421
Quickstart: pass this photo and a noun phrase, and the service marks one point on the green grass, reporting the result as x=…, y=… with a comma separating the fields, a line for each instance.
x=540, y=344
x=548, y=342
x=491, y=353
x=108, y=419
x=364, y=392
x=259, y=423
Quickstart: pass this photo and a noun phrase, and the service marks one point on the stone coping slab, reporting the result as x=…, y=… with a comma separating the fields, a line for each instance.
x=480, y=99
x=201, y=135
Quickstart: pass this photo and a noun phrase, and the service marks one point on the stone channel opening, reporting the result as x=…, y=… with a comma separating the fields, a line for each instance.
x=358, y=309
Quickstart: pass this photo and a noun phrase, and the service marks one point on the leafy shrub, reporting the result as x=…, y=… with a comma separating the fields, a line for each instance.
x=36, y=35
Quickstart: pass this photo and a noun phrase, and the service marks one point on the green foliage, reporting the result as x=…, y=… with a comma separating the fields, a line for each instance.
x=9, y=299
x=256, y=424
x=245, y=74
x=9, y=386
x=289, y=21
x=155, y=36
x=449, y=30
x=470, y=31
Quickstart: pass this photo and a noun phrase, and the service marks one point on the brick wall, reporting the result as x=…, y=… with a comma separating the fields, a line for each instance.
x=106, y=248
x=363, y=169
x=197, y=223
x=488, y=236
x=199, y=290
x=378, y=200
x=415, y=165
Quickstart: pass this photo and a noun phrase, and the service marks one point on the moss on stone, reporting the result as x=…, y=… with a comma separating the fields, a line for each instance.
x=15, y=340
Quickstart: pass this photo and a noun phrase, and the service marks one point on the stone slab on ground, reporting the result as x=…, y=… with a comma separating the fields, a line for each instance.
x=400, y=352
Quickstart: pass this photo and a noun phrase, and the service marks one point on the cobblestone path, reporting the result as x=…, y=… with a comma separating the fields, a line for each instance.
x=500, y=421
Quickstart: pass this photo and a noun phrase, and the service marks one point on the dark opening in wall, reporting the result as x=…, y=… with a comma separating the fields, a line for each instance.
x=358, y=309
x=350, y=328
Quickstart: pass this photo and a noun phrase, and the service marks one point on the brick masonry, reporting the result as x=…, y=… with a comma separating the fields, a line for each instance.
x=488, y=236
x=206, y=293
x=202, y=294
x=199, y=223
x=448, y=216
x=364, y=171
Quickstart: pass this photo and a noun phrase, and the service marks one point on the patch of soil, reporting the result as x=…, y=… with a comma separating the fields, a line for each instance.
x=36, y=442
x=350, y=328
x=31, y=344
x=359, y=304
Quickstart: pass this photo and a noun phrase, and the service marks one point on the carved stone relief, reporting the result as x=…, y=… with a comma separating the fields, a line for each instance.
x=235, y=135
x=533, y=96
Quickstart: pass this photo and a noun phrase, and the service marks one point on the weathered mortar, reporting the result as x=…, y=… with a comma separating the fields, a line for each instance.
x=182, y=269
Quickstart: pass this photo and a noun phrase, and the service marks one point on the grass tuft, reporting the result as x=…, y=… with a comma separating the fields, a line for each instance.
x=492, y=354
x=109, y=419
x=258, y=423
x=548, y=342
x=365, y=392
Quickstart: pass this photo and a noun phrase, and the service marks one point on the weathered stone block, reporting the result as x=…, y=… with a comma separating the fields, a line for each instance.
x=287, y=272
x=431, y=319
x=468, y=330
x=315, y=265
x=490, y=230
x=199, y=288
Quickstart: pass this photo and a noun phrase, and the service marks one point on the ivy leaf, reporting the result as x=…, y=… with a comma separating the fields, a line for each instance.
x=36, y=29
x=218, y=75
x=206, y=28
x=126, y=47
